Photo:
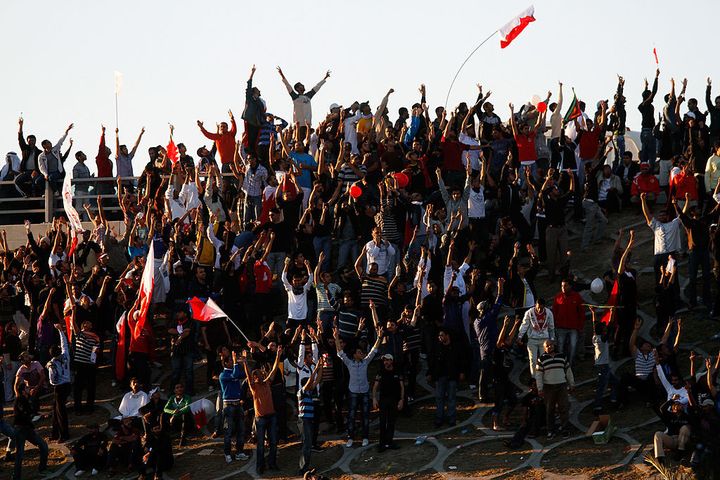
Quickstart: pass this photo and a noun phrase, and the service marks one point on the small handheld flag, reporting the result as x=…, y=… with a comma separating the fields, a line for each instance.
x=656, y=57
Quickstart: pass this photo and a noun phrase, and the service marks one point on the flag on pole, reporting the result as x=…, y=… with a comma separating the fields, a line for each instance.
x=172, y=151
x=514, y=27
x=147, y=282
x=611, y=302
x=205, y=311
x=573, y=111
x=202, y=410
x=657, y=62
x=118, y=82
x=121, y=347
x=71, y=213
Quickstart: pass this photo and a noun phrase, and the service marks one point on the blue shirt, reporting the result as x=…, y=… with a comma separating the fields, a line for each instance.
x=305, y=179
x=306, y=409
x=230, y=381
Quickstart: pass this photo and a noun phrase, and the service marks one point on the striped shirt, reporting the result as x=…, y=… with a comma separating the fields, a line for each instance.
x=306, y=409
x=410, y=337
x=385, y=219
x=254, y=181
x=86, y=345
x=644, y=364
x=553, y=369
x=323, y=296
x=375, y=289
x=348, y=323
x=348, y=176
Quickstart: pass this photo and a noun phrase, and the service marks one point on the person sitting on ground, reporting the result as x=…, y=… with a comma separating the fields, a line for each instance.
x=178, y=415
x=90, y=452
x=677, y=432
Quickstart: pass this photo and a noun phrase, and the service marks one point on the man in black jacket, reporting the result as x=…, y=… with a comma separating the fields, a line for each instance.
x=446, y=371
x=29, y=180
x=25, y=431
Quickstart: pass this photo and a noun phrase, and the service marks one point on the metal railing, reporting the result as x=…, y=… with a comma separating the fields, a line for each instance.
x=15, y=208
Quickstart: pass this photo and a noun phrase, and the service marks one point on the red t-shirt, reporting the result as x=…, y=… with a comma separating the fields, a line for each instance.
x=452, y=155
x=589, y=142
x=526, y=148
x=683, y=183
x=645, y=182
x=263, y=277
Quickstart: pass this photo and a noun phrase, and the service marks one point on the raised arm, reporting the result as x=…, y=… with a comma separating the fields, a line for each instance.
x=646, y=211
x=626, y=253
x=513, y=123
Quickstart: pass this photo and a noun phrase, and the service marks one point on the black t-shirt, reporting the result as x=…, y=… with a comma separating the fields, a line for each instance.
x=389, y=387
x=555, y=209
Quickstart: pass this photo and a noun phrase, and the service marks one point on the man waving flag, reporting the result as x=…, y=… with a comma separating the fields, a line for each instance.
x=514, y=27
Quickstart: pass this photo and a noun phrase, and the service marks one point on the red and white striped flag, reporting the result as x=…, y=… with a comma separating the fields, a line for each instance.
x=514, y=27
x=147, y=281
x=205, y=311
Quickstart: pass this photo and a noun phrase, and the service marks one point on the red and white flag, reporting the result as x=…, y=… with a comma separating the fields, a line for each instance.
x=67, y=197
x=205, y=311
x=172, y=151
x=514, y=27
x=202, y=410
x=147, y=282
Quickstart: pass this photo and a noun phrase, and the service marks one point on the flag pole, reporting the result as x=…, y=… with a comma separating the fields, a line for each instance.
x=463, y=64
x=116, y=110
x=238, y=328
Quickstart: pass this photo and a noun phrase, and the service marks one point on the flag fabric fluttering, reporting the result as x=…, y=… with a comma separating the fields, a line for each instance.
x=573, y=111
x=71, y=213
x=205, y=311
x=514, y=27
x=611, y=302
x=147, y=282
x=172, y=151
x=118, y=82
x=657, y=62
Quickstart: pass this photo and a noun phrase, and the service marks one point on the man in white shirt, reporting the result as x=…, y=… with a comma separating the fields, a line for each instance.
x=297, y=295
x=379, y=251
x=667, y=235
x=133, y=400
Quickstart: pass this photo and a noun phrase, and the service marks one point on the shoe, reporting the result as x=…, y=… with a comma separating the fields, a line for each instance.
x=211, y=389
x=9, y=457
x=36, y=418
x=228, y=459
x=473, y=388
x=349, y=443
x=550, y=435
x=241, y=456
x=94, y=472
x=215, y=435
x=317, y=448
x=365, y=442
x=80, y=473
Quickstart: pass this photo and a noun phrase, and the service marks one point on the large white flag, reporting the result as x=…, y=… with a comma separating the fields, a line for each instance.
x=67, y=198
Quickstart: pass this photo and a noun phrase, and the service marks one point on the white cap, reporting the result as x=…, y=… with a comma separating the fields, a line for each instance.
x=334, y=105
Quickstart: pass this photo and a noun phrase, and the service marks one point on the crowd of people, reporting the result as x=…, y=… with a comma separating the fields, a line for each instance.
x=356, y=254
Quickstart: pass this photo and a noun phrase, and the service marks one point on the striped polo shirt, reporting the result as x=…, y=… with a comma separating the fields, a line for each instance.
x=305, y=404
x=86, y=344
x=644, y=365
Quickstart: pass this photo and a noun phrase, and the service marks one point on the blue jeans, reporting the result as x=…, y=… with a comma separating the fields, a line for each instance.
x=348, y=252
x=699, y=258
x=28, y=434
x=306, y=427
x=323, y=244
x=252, y=208
x=233, y=423
x=605, y=377
x=648, y=154
x=620, y=145
x=263, y=425
x=359, y=400
x=444, y=387
x=276, y=262
x=570, y=335
x=182, y=364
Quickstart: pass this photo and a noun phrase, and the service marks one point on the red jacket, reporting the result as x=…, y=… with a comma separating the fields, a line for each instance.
x=569, y=311
x=645, y=183
x=104, y=165
x=224, y=142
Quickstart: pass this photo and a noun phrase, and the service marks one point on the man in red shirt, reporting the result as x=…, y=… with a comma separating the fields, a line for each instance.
x=525, y=139
x=104, y=167
x=569, y=314
x=684, y=183
x=644, y=182
x=224, y=141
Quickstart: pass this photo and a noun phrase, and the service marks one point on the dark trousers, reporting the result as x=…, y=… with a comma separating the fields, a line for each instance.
x=333, y=396
x=388, y=414
x=412, y=365
x=28, y=434
x=85, y=379
x=266, y=425
x=645, y=387
x=306, y=426
x=699, y=258
x=233, y=422
x=87, y=459
x=556, y=399
x=359, y=401
x=182, y=422
x=182, y=365
x=140, y=368
x=60, y=427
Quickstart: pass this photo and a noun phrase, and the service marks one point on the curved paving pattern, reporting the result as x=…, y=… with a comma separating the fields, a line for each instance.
x=471, y=448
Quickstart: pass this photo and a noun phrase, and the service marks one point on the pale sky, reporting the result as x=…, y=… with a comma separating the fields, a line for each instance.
x=185, y=60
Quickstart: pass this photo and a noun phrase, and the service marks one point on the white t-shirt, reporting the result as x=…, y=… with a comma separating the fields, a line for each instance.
x=667, y=235
x=476, y=203
x=472, y=155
